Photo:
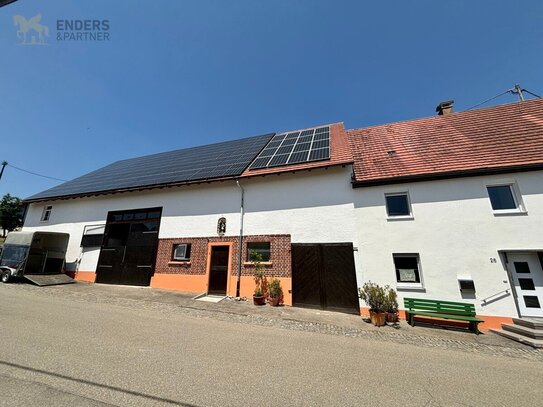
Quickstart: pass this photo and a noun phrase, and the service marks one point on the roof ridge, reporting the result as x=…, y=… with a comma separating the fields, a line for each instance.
x=446, y=117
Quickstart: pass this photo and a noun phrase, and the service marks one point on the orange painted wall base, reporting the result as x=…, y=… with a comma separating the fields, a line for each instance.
x=88, y=276
x=180, y=282
x=247, y=288
x=491, y=322
x=198, y=284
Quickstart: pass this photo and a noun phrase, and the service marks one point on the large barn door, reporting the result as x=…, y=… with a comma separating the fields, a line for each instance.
x=324, y=276
x=340, y=278
x=129, y=248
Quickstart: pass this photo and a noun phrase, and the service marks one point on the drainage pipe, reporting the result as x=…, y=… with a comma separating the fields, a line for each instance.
x=241, y=213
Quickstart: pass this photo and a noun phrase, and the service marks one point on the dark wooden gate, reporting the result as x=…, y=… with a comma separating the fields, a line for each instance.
x=129, y=247
x=324, y=276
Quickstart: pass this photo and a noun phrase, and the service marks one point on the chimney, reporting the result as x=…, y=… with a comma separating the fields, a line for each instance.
x=445, y=108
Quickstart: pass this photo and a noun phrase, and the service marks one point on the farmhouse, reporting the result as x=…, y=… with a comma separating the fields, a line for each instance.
x=447, y=207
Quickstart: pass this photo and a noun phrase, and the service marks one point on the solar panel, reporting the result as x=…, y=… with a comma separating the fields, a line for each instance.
x=219, y=160
x=295, y=147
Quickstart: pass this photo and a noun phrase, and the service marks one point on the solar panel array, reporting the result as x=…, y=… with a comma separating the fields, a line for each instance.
x=219, y=160
x=295, y=147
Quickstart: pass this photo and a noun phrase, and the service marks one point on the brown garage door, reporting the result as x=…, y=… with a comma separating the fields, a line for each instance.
x=323, y=276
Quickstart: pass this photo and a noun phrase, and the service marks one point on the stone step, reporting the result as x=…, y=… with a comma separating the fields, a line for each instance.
x=533, y=323
x=524, y=330
x=536, y=343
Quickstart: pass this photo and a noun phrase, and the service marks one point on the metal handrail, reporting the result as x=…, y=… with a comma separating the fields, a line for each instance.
x=494, y=295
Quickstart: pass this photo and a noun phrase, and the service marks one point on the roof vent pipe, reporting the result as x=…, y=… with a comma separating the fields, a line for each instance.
x=445, y=108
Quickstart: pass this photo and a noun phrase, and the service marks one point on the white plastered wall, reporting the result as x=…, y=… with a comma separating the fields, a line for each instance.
x=313, y=207
x=456, y=234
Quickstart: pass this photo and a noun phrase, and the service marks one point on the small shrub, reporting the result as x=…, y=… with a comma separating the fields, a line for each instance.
x=260, y=280
x=274, y=288
x=374, y=295
x=391, y=300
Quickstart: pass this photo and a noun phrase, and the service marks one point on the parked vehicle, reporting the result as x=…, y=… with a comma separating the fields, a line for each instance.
x=28, y=254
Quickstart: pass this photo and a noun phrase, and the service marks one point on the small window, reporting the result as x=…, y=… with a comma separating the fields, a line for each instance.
x=522, y=267
x=262, y=248
x=502, y=198
x=407, y=269
x=93, y=235
x=526, y=284
x=398, y=205
x=531, y=301
x=181, y=252
x=92, y=240
x=46, y=213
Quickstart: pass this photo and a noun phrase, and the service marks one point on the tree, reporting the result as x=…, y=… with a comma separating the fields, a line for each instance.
x=10, y=213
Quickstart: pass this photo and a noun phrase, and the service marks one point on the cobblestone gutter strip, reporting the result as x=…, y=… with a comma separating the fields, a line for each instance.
x=385, y=334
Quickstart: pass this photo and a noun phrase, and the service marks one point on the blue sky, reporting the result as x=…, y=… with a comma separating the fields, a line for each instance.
x=182, y=73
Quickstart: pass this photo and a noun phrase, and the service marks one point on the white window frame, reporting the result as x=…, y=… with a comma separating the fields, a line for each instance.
x=399, y=217
x=46, y=213
x=517, y=198
x=404, y=285
x=177, y=246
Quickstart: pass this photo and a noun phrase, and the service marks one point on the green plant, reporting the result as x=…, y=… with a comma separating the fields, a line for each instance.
x=260, y=280
x=374, y=295
x=10, y=213
x=274, y=288
x=391, y=300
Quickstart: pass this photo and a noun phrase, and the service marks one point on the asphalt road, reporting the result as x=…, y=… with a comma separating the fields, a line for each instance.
x=57, y=352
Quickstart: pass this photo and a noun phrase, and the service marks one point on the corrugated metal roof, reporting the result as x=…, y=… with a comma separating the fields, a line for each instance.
x=213, y=161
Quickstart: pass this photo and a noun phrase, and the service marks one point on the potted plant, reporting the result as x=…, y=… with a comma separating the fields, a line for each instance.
x=259, y=295
x=391, y=305
x=275, y=292
x=375, y=297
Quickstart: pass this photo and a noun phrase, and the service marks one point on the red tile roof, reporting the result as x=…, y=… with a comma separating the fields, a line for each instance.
x=501, y=138
x=340, y=154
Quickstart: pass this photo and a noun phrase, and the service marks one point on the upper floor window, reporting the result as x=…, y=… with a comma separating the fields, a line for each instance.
x=46, y=214
x=398, y=205
x=504, y=198
x=258, y=248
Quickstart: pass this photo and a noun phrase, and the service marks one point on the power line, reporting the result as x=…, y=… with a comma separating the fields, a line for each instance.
x=516, y=90
x=488, y=100
x=34, y=173
x=533, y=94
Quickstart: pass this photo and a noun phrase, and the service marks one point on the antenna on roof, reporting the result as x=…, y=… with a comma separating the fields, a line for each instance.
x=516, y=90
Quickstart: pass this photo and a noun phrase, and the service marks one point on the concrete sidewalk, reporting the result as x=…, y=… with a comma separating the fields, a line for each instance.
x=286, y=317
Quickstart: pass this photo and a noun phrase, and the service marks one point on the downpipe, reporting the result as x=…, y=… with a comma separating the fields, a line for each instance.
x=241, y=213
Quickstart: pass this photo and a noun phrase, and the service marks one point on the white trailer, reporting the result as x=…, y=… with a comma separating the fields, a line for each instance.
x=36, y=256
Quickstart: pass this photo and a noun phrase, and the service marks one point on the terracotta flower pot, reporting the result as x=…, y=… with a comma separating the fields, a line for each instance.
x=392, y=317
x=377, y=318
x=274, y=301
x=260, y=300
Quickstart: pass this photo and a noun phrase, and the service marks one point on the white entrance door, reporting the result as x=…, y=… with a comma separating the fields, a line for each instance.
x=528, y=281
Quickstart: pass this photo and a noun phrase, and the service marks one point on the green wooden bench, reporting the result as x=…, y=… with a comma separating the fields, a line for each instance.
x=458, y=311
